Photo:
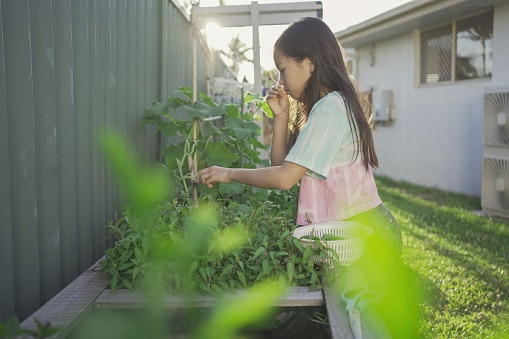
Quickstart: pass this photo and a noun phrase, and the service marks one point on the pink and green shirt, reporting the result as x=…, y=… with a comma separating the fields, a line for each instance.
x=336, y=186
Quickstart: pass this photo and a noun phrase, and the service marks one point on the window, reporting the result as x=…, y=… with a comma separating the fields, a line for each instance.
x=436, y=51
x=458, y=51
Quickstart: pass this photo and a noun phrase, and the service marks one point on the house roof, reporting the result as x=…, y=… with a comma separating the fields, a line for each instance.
x=416, y=14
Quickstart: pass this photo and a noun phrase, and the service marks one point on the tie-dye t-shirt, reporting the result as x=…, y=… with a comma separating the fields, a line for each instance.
x=335, y=186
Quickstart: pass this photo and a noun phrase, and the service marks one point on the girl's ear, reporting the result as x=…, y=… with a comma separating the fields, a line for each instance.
x=311, y=66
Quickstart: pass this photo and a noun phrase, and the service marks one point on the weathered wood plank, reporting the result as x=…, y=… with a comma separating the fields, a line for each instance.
x=336, y=314
x=71, y=305
x=339, y=322
x=300, y=296
x=68, y=307
x=372, y=325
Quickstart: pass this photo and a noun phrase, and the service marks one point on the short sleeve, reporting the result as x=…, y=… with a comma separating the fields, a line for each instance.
x=321, y=138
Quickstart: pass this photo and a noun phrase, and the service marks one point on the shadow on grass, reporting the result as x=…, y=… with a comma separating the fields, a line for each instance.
x=457, y=225
x=464, y=256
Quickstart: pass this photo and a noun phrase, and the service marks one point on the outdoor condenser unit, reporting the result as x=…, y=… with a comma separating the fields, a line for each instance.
x=382, y=105
x=495, y=163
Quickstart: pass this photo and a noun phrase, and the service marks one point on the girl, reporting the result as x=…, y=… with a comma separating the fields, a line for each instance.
x=330, y=149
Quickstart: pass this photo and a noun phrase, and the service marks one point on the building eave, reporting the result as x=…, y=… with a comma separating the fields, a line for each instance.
x=414, y=15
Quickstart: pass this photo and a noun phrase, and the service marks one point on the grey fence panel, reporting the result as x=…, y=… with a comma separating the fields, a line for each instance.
x=82, y=127
x=6, y=246
x=177, y=56
x=44, y=116
x=68, y=70
x=109, y=55
x=22, y=155
x=95, y=32
x=149, y=78
x=66, y=143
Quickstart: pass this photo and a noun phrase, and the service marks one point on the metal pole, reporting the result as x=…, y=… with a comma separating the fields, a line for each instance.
x=194, y=29
x=193, y=163
x=255, y=23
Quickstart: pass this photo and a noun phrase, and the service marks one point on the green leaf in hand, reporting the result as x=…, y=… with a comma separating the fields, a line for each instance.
x=260, y=103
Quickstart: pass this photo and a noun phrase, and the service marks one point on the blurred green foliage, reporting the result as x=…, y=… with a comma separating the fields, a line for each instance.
x=232, y=237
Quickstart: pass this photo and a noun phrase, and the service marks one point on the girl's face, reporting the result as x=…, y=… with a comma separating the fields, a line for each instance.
x=293, y=74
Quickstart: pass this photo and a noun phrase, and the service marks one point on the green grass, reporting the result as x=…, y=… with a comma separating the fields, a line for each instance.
x=460, y=258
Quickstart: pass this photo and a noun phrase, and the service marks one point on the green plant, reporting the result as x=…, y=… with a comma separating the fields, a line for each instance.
x=184, y=246
x=237, y=247
x=11, y=328
x=204, y=133
x=247, y=237
x=259, y=102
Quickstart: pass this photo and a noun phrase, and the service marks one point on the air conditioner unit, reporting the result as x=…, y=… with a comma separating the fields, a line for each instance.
x=382, y=105
x=495, y=186
x=495, y=164
x=496, y=119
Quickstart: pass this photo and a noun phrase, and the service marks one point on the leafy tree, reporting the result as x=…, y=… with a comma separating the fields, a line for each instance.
x=237, y=53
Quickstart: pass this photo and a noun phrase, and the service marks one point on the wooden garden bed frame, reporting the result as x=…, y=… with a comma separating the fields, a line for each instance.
x=89, y=291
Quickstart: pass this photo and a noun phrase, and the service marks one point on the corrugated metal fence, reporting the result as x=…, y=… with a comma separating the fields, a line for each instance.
x=68, y=68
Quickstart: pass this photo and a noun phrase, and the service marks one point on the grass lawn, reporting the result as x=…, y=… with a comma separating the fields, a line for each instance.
x=460, y=258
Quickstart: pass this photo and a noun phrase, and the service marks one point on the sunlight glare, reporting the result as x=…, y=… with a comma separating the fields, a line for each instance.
x=215, y=36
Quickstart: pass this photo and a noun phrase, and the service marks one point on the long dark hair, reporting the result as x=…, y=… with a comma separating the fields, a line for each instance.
x=312, y=38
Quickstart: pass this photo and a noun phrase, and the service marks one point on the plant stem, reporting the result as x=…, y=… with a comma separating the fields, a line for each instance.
x=194, y=169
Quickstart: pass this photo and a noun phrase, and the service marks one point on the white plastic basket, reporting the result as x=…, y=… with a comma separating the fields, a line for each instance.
x=348, y=250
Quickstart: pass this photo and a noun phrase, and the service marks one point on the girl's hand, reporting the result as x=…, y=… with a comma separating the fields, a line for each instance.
x=212, y=175
x=278, y=101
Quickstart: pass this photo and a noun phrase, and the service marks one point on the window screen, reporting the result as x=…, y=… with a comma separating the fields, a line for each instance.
x=457, y=51
x=436, y=53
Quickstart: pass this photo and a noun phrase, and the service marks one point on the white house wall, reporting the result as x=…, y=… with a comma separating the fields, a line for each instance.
x=436, y=138
x=501, y=46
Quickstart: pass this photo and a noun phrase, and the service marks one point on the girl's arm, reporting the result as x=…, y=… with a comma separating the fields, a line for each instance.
x=279, y=148
x=280, y=106
x=281, y=177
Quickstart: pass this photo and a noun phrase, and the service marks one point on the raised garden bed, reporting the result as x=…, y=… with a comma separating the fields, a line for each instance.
x=300, y=296
x=89, y=293
x=241, y=236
